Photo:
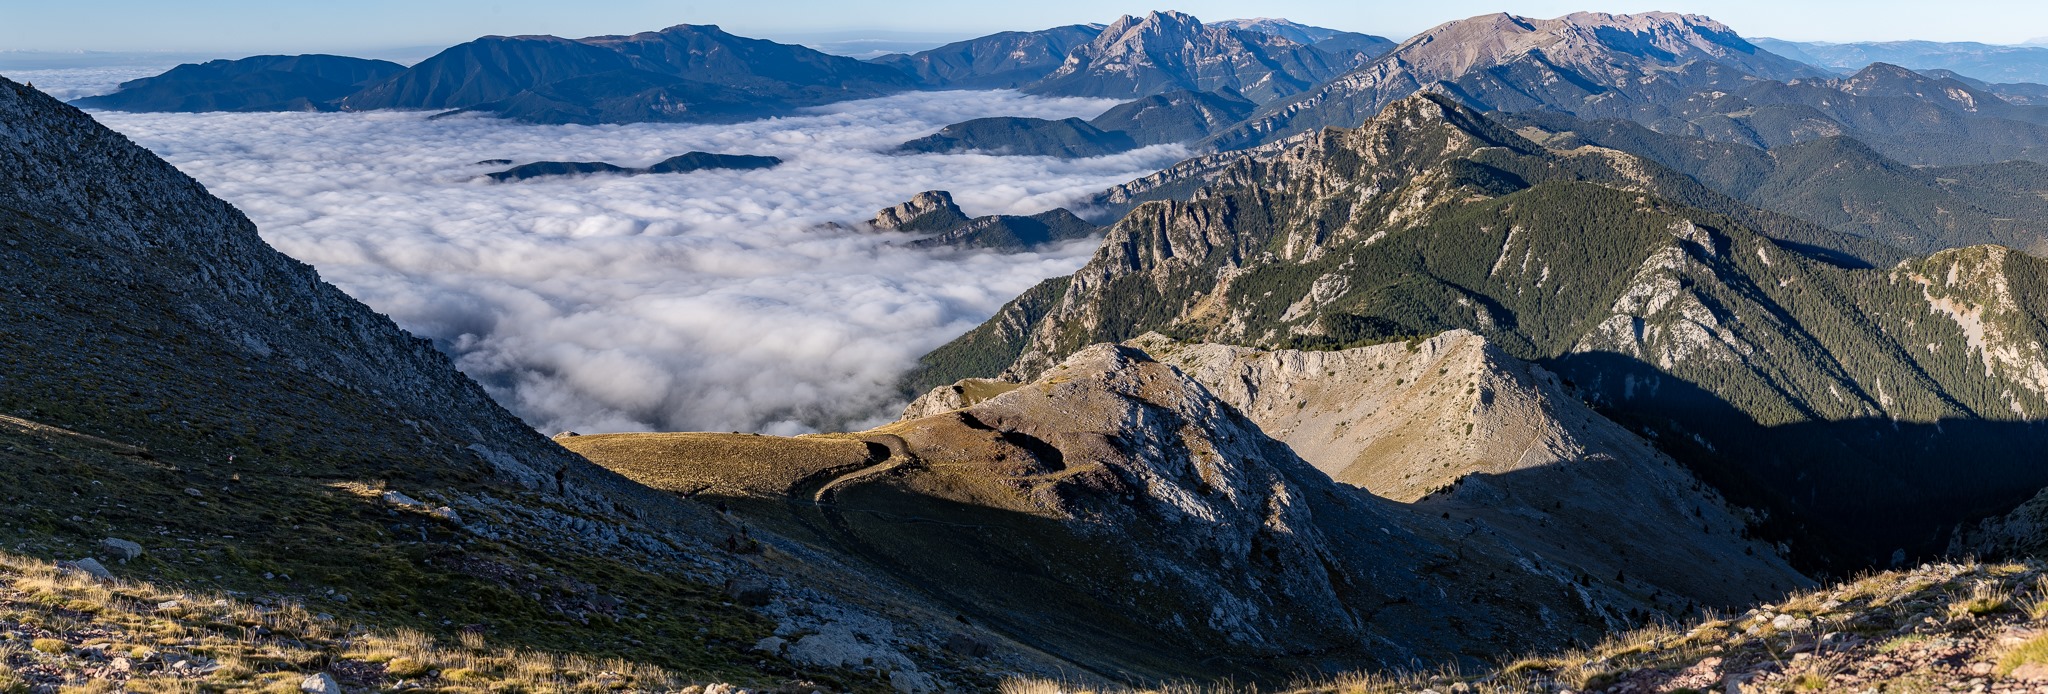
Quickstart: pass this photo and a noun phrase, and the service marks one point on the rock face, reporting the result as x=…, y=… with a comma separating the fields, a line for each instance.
x=1181, y=116
x=1117, y=488
x=682, y=73
x=682, y=163
x=1358, y=49
x=1454, y=425
x=1678, y=74
x=1709, y=323
x=932, y=212
x=1006, y=60
x=1505, y=62
x=926, y=211
x=258, y=83
x=1169, y=51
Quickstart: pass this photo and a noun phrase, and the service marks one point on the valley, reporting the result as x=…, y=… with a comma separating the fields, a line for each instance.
x=1597, y=353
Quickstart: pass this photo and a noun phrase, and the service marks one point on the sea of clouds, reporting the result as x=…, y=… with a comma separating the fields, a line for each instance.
x=711, y=301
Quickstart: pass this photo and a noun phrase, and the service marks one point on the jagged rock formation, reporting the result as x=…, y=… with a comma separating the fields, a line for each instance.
x=1181, y=116
x=1454, y=425
x=1357, y=48
x=1005, y=60
x=1697, y=78
x=933, y=213
x=1509, y=63
x=257, y=83
x=1169, y=51
x=1762, y=364
x=1117, y=488
x=681, y=163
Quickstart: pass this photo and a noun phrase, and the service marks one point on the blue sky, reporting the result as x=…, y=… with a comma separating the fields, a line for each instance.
x=247, y=26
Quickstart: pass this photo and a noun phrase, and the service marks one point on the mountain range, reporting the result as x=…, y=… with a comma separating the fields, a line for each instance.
x=1982, y=61
x=1520, y=335
x=1174, y=117
x=1712, y=325
x=693, y=73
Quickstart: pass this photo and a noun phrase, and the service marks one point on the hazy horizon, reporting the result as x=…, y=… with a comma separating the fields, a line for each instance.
x=224, y=28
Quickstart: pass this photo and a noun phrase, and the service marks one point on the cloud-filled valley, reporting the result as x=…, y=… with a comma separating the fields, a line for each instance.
x=706, y=301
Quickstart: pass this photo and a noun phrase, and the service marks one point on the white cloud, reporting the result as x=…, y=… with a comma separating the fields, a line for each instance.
x=67, y=83
x=707, y=301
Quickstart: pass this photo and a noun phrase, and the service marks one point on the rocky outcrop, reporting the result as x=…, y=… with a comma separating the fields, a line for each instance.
x=933, y=213
x=1116, y=487
x=1168, y=51
x=1453, y=424
x=1510, y=63
x=931, y=209
x=1744, y=341
x=1005, y=60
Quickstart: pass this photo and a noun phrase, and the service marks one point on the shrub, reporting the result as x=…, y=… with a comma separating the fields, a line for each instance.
x=50, y=646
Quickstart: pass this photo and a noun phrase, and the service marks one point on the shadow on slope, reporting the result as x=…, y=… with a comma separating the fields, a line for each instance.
x=1846, y=494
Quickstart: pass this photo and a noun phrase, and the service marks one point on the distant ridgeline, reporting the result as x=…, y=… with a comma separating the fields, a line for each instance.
x=699, y=73
x=683, y=163
x=1862, y=399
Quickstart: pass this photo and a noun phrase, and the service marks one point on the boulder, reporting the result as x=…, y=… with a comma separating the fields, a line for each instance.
x=121, y=549
x=322, y=683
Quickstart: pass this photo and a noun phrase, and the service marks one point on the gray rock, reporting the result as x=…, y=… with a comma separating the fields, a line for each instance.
x=400, y=499
x=772, y=644
x=124, y=549
x=911, y=682
x=92, y=567
x=322, y=683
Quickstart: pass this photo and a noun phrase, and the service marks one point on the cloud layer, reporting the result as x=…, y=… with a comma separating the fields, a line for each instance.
x=709, y=301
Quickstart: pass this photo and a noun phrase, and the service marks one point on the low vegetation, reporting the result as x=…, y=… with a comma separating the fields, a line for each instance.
x=1960, y=627
x=86, y=634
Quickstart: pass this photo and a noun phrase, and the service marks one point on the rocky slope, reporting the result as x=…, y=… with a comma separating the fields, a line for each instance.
x=1005, y=60
x=1358, y=48
x=1763, y=366
x=1510, y=63
x=186, y=405
x=934, y=214
x=1454, y=425
x=1170, y=51
x=1116, y=487
x=1700, y=80
x=1838, y=182
x=257, y=83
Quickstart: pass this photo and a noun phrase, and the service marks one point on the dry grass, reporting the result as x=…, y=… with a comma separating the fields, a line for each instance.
x=721, y=464
x=246, y=646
